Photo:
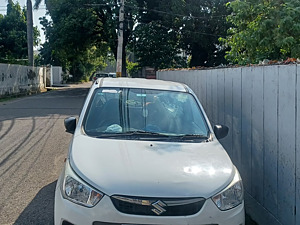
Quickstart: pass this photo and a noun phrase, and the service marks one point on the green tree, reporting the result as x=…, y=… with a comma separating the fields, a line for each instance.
x=79, y=28
x=157, y=46
x=69, y=39
x=167, y=30
x=263, y=30
x=156, y=39
x=13, y=35
x=159, y=32
x=132, y=68
x=204, y=24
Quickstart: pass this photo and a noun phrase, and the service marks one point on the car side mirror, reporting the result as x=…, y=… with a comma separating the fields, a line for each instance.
x=220, y=131
x=70, y=124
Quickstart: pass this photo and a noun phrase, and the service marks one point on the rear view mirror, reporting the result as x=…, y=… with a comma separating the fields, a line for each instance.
x=220, y=131
x=70, y=124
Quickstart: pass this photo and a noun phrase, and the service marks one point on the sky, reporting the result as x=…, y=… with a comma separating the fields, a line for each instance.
x=36, y=14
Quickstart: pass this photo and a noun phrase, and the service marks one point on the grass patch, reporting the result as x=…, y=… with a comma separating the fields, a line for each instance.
x=8, y=98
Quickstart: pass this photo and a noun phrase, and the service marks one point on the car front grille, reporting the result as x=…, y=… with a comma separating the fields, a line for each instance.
x=157, y=206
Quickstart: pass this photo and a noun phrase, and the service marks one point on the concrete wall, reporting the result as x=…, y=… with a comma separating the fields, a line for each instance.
x=260, y=106
x=17, y=79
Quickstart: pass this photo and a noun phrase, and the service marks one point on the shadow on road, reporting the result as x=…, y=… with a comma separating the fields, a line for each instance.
x=40, y=210
x=33, y=144
x=48, y=105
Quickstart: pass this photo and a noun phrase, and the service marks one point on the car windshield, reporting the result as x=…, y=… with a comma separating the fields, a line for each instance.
x=128, y=111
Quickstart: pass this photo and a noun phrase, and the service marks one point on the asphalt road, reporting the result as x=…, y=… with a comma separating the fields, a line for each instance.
x=33, y=146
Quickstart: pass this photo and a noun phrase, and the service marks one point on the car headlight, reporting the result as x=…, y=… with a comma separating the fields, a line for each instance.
x=76, y=190
x=232, y=195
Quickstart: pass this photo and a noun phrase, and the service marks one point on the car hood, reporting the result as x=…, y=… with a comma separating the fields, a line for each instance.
x=151, y=168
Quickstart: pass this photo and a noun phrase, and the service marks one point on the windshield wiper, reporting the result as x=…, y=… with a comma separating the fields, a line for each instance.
x=133, y=133
x=141, y=134
x=191, y=137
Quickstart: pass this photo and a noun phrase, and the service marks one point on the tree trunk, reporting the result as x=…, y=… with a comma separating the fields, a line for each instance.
x=30, y=33
x=124, y=62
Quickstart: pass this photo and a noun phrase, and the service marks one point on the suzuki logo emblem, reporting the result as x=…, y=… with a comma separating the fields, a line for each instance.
x=158, y=207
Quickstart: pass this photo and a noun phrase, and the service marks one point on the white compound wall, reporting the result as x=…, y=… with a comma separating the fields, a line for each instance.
x=17, y=79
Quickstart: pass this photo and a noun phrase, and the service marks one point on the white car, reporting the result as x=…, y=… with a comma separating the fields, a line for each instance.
x=144, y=152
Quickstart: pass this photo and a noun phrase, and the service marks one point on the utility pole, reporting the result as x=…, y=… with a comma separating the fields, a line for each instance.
x=30, y=33
x=120, y=40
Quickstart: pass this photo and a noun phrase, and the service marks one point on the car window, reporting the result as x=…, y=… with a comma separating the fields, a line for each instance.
x=115, y=110
x=101, y=75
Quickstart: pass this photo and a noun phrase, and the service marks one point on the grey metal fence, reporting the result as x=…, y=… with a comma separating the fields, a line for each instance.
x=260, y=106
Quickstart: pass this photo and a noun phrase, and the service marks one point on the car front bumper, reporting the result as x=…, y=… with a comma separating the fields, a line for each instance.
x=104, y=213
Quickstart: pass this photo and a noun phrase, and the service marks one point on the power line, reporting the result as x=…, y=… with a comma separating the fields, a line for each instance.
x=158, y=11
x=107, y=4
x=181, y=30
x=39, y=9
x=150, y=10
x=173, y=14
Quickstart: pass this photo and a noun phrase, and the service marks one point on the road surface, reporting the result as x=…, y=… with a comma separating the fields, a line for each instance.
x=33, y=146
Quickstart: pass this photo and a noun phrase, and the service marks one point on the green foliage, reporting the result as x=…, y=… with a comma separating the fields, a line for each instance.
x=82, y=34
x=263, y=30
x=161, y=33
x=132, y=68
x=156, y=46
x=156, y=40
x=13, y=35
x=73, y=38
x=167, y=31
x=202, y=29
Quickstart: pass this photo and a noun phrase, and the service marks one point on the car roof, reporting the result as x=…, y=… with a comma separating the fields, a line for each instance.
x=123, y=82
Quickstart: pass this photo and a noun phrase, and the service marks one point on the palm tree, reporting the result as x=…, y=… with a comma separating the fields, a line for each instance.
x=38, y=2
x=30, y=29
x=30, y=33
